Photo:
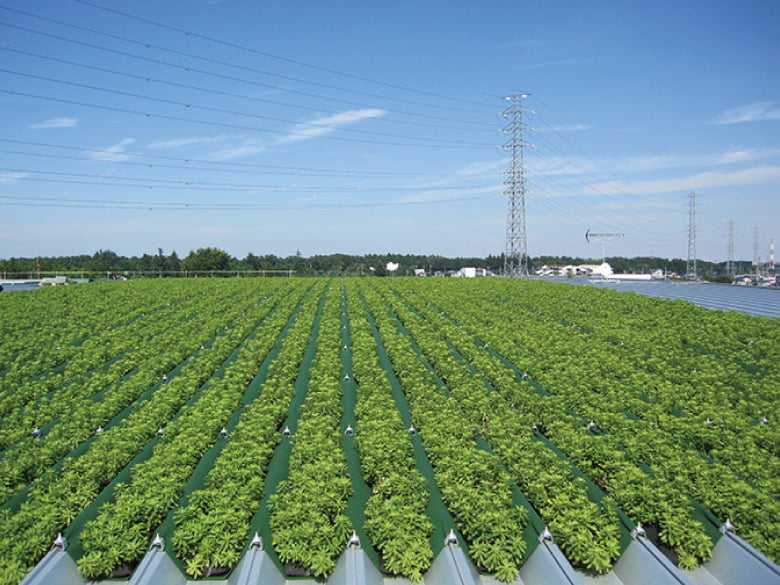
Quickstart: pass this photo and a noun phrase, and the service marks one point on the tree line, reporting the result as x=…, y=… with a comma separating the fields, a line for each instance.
x=214, y=259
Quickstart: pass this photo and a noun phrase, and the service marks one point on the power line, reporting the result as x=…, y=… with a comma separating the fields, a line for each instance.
x=233, y=167
x=189, y=69
x=35, y=201
x=147, y=183
x=148, y=45
x=148, y=79
x=279, y=57
x=251, y=168
x=310, y=125
x=217, y=124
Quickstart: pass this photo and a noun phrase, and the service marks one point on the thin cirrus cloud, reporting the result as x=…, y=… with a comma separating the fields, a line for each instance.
x=564, y=128
x=752, y=176
x=222, y=147
x=755, y=112
x=57, y=123
x=247, y=148
x=644, y=164
x=327, y=124
x=547, y=64
x=113, y=153
x=12, y=177
x=184, y=142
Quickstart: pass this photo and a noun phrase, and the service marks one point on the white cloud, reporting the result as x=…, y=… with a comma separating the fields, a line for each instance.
x=546, y=64
x=570, y=128
x=12, y=177
x=752, y=176
x=481, y=168
x=247, y=148
x=741, y=155
x=113, y=153
x=175, y=143
x=557, y=166
x=328, y=124
x=756, y=112
x=223, y=147
x=445, y=195
x=57, y=123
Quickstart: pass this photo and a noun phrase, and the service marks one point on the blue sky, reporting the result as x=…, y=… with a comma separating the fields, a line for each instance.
x=359, y=127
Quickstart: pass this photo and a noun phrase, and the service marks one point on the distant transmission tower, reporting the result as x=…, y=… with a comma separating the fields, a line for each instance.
x=756, y=258
x=730, y=261
x=516, y=255
x=690, y=267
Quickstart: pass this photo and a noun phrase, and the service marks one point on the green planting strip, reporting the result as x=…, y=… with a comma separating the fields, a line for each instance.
x=356, y=503
x=72, y=425
x=569, y=437
x=588, y=534
x=440, y=516
x=306, y=513
x=33, y=456
x=76, y=368
x=396, y=518
x=210, y=527
x=58, y=497
x=278, y=467
x=121, y=530
x=477, y=492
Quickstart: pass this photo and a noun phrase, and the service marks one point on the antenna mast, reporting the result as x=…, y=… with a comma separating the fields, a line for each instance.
x=690, y=268
x=516, y=255
x=603, y=238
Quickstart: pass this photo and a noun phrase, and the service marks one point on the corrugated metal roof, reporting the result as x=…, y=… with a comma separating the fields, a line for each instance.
x=725, y=297
x=734, y=562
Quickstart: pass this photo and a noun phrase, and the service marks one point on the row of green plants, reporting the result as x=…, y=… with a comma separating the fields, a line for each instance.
x=474, y=487
x=669, y=444
x=307, y=511
x=709, y=364
x=539, y=348
x=85, y=370
x=123, y=527
x=40, y=321
x=65, y=349
x=587, y=531
x=212, y=525
x=660, y=504
x=501, y=378
x=56, y=498
x=396, y=519
x=105, y=395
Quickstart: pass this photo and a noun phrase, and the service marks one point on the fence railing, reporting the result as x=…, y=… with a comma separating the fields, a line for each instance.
x=119, y=275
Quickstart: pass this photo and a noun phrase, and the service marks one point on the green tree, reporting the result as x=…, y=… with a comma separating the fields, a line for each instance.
x=173, y=261
x=204, y=259
x=251, y=262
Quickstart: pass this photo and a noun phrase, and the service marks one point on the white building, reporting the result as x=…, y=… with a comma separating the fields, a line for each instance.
x=472, y=272
x=603, y=270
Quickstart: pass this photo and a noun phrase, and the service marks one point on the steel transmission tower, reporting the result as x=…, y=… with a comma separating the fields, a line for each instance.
x=516, y=254
x=691, y=269
x=756, y=257
x=730, y=261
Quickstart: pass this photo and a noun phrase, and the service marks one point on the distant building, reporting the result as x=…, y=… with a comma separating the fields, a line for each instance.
x=54, y=281
x=472, y=272
x=603, y=270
